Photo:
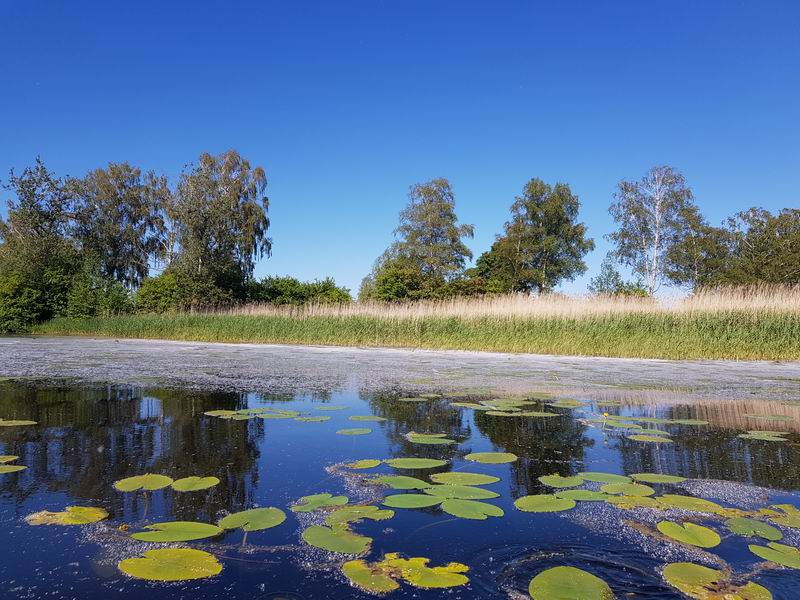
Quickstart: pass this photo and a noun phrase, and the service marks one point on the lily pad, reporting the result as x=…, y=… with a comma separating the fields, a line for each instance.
x=219, y=413
x=764, y=436
x=72, y=515
x=194, y=484
x=583, y=495
x=788, y=556
x=491, y=458
x=783, y=514
x=703, y=583
x=177, y=531
x=630, y=502
x=365, y=463
x=543, y=503
x=413, y=399
x=15, y=423
x=689, y=422
x=148, y=482
x=470, y=509
x=655, y=439
x=355, y=431
x=7, y=458
x=411, y=501
x=401, y=482
x=566, y=403
x=770, y=417
x=415, y=463
x=279, y=414
x=255, y=519
x=172, y=564
x=332, y=407
x=657, y=478
x=374, y=418
x=557, y=481
x=11, y=468
x=317, y=419
x=568, y=583
x=317, y=501
x=354, y=514
x=381, y=576
x=463, y=478
x=460, y=492
x=338, y=539
x=369, y=578
x=752, y=528
x=598, y=477
x=429, y=438
x=690, y=533
x=690, y=503
x=627, y=489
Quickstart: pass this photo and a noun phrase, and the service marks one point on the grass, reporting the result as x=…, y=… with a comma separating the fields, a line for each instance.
x=759, y=324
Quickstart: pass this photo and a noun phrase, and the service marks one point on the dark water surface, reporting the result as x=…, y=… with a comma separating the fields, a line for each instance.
x=88, y=437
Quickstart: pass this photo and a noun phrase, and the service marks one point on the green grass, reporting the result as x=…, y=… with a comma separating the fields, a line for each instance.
x=711, y=335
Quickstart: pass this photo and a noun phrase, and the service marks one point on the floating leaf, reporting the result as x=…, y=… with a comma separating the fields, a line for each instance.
x=770, y=417
x=783, y=514
x=627, y=489
x=353, y=514
x=317, y=501
x=417, y=572
x=657, y=478
x=788, y=556
x=764, y=436
x=655, y=439
x=355, y=431
x=312, y=420
x=332, y=407
x=598, y=477
x=177, y=531
x=11, y=468
x=557, y=481
x=374, y=418
x=491, y=458
x=415, y=463
x=463, y=478
x=194, y=484
x=72, y=515
x=583, y=495
x=219, y=413
x=279, y=414
x=411, y=501
x=415, y=399
x=689, y=533
x=7, y=458
x=172, y=564
x=543, y=503
x=689, y=422
x=566, y=403
x=369, y=578
x=537, y=414
x=254, y=519
x=752, y=528
x=470, y=509
x=148, y=482
x=401, y=482
x=15, y=423
x=689, y=503
x=568, y=583
x=629, y=502
x=460, y=492
x=429, y=438
x=365, y=463
x=703, y=583
x=337, y=539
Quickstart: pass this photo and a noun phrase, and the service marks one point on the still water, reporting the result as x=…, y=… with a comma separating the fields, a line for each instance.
x=86, y=438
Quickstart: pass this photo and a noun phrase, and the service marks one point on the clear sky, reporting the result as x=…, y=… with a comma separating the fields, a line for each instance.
x=347, y=103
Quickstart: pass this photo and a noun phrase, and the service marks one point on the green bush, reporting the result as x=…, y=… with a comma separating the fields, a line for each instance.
x=289, y=290
x=20, y=305
x=159, y=294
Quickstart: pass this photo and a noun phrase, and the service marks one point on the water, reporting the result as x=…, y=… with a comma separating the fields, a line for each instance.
x=89, y=436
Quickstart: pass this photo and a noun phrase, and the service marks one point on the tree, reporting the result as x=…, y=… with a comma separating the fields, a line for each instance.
x=429, y=251
x=221, y=220
x=120, y=220
x=542, y=245
x=649, y=214
x=609, y=282
x=699, y=253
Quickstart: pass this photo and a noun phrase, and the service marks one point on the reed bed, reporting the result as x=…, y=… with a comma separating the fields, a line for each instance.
x=744, y=323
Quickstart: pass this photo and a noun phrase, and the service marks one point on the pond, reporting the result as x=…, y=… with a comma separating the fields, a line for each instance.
x=504, y=518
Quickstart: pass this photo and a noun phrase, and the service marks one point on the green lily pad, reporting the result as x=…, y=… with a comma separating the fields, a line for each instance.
x=338, y=539
x=583, y=495
x=317, y=501
x=627, y=489
x=369, y=578
x=689, y=422
x=411, y=501
x=365, y=463
x=72, y=515
x=788, y=556
x=566, y=403
x=500, y=413
x=380, y=577
x=354, y=514
x=703, y=583
x=11, y=468
x=254, y=519
x=460, y=492
x=764, y=436
x=332, y=407
x=374, y=418
x=7, y=458
x=470, y=509
x=491, y=458
x=401, y=482
x=172, y=564
x=657, y=478
x=690, y=533
x=543, y=503
x=355, y=431
x=630, y=502
x=689, y=503
x=770, y=417
x=279, y=414
x=557, y=481
x=194, y=484
x=312, y=419
x=177, y=531
x=219, y=413
x=655, y=439
x=783, y=514
x=414, y=399
x=415, y=463
x=15, y=423
x=568, y=583
x=148, y=482
x=752, y=528
x=429, y=438
x=598, y=477
x=463, y=478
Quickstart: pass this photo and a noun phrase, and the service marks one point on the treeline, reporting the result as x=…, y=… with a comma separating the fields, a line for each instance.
x=661, y=236
x=119, y=240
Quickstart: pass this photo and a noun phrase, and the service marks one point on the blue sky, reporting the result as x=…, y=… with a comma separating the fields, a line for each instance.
x=348, y=103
